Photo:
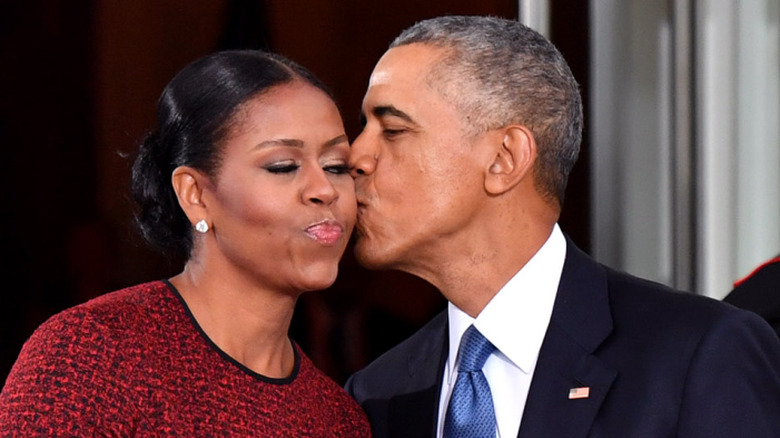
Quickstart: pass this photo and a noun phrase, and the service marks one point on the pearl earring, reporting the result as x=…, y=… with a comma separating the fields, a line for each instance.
x=201, y=226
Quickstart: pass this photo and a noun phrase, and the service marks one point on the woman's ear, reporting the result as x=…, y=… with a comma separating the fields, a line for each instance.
x=513, y=161
x=189, y=183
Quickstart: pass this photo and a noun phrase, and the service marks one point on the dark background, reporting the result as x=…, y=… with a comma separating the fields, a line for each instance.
x=78, y=86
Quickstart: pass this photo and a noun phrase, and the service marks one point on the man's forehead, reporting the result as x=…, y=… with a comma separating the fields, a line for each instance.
x=404, y=64
x=379, y=77
x=389, y=68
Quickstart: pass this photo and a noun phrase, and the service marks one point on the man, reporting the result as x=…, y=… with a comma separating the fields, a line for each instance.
x=472, y=125
x=759, y=292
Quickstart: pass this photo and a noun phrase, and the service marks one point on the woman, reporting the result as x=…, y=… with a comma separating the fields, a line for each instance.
x=246, y=175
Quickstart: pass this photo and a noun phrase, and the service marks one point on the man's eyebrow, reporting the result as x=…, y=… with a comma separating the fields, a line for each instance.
x=389, y=110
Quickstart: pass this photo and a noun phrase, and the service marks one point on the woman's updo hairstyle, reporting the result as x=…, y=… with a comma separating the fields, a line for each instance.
x=194, y=114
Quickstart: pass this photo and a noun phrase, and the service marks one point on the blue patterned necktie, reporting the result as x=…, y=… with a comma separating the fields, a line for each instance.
x=470, y=413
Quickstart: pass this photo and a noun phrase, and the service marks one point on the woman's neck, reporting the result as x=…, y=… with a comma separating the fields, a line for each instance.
x=247, y=322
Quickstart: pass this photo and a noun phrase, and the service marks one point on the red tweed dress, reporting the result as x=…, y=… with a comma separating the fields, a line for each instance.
x=135, y=363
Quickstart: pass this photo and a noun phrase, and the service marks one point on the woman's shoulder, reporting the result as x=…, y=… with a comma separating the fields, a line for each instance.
x=91, y=335
x=75, y=365
x=132, y=296
x=100, y=318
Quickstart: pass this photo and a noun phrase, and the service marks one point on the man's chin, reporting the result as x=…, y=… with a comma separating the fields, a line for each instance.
x=371, y=256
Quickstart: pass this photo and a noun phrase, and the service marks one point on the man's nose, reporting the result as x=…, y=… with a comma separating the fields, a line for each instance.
x=362, y=156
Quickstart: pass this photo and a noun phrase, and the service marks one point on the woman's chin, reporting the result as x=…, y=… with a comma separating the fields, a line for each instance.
x=318, y=278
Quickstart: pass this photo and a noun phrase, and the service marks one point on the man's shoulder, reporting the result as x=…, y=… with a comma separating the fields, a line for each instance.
x=628, y=289
x=642, y=306
x=627, y=306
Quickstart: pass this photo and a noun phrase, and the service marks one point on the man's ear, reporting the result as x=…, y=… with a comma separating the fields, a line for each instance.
x=189, y=183
x=513, y=160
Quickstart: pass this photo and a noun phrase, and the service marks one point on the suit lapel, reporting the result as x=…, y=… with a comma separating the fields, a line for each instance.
x=580, y=322
x=414, y=413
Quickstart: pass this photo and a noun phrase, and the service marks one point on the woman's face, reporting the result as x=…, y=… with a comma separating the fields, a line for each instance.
x=282, y=205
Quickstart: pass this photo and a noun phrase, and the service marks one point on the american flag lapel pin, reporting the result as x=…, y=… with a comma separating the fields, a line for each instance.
x=581, y=392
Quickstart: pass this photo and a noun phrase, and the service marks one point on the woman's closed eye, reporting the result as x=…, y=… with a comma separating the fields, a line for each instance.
x=282, y=167
x=338, y=169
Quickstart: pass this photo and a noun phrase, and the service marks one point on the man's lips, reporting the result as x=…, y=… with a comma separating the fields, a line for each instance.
x=326, y=232
x=362, y=201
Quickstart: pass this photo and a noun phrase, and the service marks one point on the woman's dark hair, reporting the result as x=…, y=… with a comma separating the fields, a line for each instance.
x=194, y=114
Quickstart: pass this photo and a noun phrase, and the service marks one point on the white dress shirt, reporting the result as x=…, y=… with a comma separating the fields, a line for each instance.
x=515, y=321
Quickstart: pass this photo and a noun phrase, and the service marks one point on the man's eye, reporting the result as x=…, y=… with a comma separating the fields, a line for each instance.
x=393, y=132
x=282, y=168
x=337, y=169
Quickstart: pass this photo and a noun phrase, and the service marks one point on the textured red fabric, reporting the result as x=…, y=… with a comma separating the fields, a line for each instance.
x=135, y=363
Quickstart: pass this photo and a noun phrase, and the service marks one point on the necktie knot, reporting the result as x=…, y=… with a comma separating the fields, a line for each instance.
x=473, y=351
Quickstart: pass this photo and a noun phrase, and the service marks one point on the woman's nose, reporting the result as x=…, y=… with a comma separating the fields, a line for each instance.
x=319, y=188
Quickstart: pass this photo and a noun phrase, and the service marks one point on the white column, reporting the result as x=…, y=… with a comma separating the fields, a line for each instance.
x=536, y=15
x=758, y=131
x=630, y=120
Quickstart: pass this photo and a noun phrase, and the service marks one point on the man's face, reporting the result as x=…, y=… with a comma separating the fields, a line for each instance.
x=418, y=175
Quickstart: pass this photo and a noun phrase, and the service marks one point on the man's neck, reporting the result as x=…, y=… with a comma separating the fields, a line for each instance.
x=471, y=275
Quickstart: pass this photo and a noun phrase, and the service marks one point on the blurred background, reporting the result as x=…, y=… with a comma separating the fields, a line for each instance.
x=677, y=180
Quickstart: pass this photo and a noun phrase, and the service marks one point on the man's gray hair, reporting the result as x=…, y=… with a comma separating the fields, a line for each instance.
x=499, y=72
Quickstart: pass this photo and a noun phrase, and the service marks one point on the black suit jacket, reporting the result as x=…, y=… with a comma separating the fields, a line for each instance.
x=658, y=363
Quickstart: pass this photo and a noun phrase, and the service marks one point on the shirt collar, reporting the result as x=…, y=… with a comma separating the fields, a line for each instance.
x=516, y=318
